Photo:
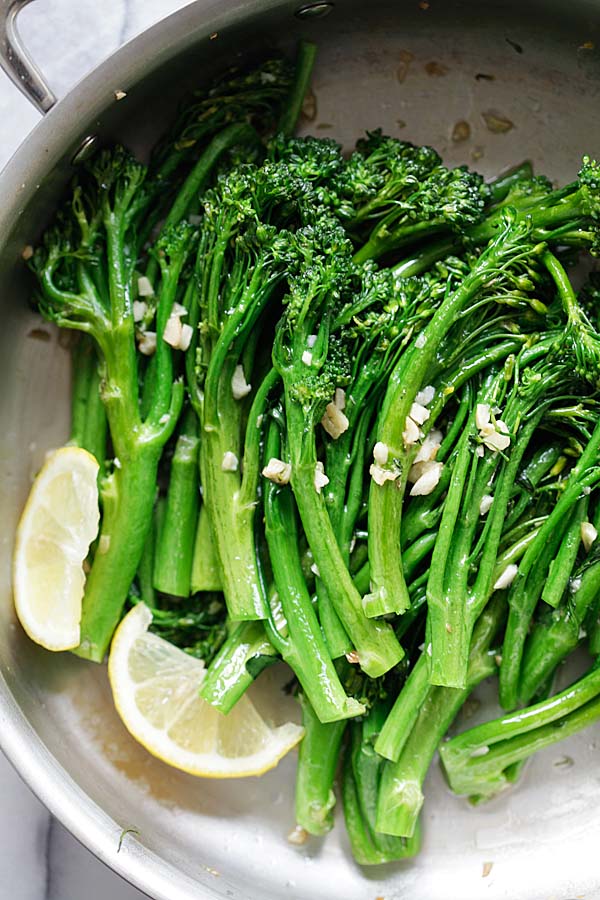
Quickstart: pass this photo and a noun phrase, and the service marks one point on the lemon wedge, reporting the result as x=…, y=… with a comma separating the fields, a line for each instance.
x=155, y=689
x=59, y=522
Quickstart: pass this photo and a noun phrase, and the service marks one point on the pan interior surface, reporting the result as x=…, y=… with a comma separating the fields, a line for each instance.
x=418, y=72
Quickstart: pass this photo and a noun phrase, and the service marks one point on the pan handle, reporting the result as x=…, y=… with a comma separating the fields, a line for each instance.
x=17, y=63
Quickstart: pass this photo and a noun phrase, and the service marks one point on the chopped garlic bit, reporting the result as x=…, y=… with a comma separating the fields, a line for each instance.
x=334, y=421
x=315, y=570
x=176, y=334
x=430, y=446
x=419, y=413
x=147, y=343
x=117, y=462
x=229, y=462
x=172, y=332
x=239, y=386
x=352, y=657
x=588, y=535
x=120, y=95
x=411, y=432
x=428, y=478
x=140, y=308
x=381, y=453
x=419, y=468
x=164, y=419
x=307, y=358
x=381, y=475
x=27, y=252
x=340, y=398
x=421, y=340
x=496, y=441
x=278, y=471
x=425, y=396
x=482, y=415
x=480, y=751
x=187, y=332
x=507, y=577
x=321, y=479
x=144, y=286
x=485, y=504
x=179, y=310
x=495, y=434
x=104, y=543
x=311, y=341
x=479, y=450
x=298, y=836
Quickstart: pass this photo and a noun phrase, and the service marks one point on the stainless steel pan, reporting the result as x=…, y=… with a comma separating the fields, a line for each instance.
x=526, y=79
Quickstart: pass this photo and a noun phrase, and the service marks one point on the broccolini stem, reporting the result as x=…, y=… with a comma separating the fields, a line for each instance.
x=377, y=648
x=551, y=642
x=501, y=185
x=83, y=363
x=317, y=763
x=304, y=649
x=528, y=585
x=446, y=613
x=304, y=65
x=96, y=425
x=206, y=571
x=128, y=500
x=403, y=714
x=174, y=550
x=145, y=571
x=422, y=260
x=88, y=416
x=389, y=591
x=231, y=499
x=230, y=136
x=414, y=554
x=449, y=659
x=561, y=566
x=334, y=632
x=380, y=244
x=361, y=776
x=254, y=434
x=400, y=793
x=541, y=464
x=475, y=760
x=514, y=553
x=363, y=848
x=231, y=522
x=240, y=659
x=367, y=768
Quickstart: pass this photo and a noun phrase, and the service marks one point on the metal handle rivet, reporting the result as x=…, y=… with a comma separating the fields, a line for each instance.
x=85, y=149
x=314, y=10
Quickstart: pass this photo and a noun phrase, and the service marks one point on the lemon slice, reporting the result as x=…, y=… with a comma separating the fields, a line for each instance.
x=155, y=689
x=59, y=522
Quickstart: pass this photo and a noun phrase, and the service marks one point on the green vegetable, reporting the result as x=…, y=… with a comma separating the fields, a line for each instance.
x=346, y=414
x=175, y=547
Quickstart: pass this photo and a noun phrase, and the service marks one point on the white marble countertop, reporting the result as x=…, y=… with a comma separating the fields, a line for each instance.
x=39, y=860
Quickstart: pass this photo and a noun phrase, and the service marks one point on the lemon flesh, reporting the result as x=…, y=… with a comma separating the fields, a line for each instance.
x=58, y=524
x=155, y=688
